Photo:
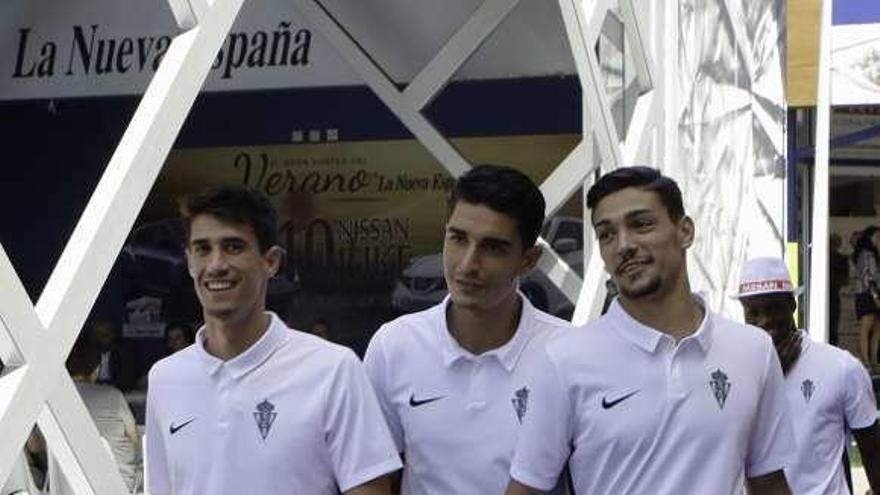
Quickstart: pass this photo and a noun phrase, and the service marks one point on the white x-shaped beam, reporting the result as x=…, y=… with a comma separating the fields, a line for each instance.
x=583, y=22
x=38, y=337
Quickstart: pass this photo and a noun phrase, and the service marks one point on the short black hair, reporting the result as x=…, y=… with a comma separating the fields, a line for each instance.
x=236, y=204
x=84, y=359
x=505, y=190
x=865, y=243
x=646, y=178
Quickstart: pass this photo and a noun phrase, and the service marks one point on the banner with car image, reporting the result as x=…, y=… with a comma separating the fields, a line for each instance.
x=352, y=215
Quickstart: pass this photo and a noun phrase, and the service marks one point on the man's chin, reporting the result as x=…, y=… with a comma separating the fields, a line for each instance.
x=641, y=291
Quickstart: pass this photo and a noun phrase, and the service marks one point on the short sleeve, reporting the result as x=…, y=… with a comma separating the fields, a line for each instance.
x=357, y=437
x=156, y=461
x=543, y=446
x=772, y=437
x=860, y=407
x=375, y=363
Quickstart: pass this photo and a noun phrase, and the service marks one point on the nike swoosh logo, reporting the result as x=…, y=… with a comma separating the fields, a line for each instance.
x=174, y=429
x=416, y=403
x=606, y=404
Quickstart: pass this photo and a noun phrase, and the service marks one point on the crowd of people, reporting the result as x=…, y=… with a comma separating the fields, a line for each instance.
x=485, y=394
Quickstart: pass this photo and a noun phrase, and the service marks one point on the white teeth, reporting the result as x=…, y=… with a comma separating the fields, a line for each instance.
x=218, y=285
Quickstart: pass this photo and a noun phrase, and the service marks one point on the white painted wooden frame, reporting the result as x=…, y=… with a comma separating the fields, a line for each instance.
x=818, y=307
x=36, y=339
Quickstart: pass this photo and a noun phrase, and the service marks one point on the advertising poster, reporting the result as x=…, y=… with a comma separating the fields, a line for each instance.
x=353, y=217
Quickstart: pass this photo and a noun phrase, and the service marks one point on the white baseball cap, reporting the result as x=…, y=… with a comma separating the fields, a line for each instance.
x=765, y=276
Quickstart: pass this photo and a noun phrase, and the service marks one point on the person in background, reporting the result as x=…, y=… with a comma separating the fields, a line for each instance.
x=829, y=392
x=321, y=328
x=110, y=412
x=867, y=289
x=117, y=364
x=838, y=277
x=179, y=336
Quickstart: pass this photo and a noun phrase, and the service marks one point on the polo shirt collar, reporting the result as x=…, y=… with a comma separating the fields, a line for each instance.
x=274, y=337
x=508, y=354
x=649, y=338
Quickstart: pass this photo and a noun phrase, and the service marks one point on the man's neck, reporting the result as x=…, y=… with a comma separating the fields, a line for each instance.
x=480, y=331
x=226, y=338
x=676, y=313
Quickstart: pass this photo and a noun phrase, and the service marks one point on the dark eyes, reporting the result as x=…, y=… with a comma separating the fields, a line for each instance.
x=642, y=223
x=200, y=249
x=229, y=247
x=233, y=247
x=637, y=224
x=455, y=236
x=495, y=248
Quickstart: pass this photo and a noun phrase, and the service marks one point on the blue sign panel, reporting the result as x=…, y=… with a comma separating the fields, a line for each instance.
x=855, y=12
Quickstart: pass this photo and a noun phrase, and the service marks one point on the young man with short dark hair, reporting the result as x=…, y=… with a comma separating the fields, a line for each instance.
x=659, y=395
x=829, y=391
x=449, y=378
x=253, y=406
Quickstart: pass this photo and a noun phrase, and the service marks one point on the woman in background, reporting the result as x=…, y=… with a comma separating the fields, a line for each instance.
x=865, y=257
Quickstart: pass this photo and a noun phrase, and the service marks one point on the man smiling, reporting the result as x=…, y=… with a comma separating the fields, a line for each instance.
x=659, y=395
x=253, y=406
x=829, y=391
x=448, y=378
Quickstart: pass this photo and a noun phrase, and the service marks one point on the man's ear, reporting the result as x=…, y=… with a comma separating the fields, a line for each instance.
x=686, y=231
x=274, y=257
x=530, y=259
x=186, y=254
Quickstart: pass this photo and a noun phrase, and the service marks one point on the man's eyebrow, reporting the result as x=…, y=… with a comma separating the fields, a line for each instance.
x=496, y=241
x=205, y=240
x=455, y=230
x=628, y=215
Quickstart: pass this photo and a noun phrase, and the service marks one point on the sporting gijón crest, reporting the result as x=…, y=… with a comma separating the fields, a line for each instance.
x=520, y=403
x=720, y=386
x=265, y=416
x=808, y=387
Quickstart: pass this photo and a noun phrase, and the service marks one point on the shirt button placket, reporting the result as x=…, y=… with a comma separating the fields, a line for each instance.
x=224, y=397
x=477, y=388
x=677, y=388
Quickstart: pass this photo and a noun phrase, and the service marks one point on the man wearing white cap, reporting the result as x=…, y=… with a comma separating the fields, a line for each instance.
x=829, y=392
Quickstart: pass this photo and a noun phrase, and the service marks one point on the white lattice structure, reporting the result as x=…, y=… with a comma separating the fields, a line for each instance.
x=35, y=339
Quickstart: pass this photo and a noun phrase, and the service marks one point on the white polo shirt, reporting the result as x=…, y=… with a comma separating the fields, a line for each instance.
x=829, y=392
x=292, y=414
x=453, y=414
x=633, y=412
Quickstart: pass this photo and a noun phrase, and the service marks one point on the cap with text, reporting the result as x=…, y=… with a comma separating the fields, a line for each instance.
x=765, y=276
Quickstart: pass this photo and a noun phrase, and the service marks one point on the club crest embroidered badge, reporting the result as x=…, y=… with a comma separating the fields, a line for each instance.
x=520, y=403
x=720, y=386
x=808, y=387
x=265, y=416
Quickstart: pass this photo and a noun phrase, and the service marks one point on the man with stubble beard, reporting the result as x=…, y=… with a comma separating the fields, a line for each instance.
x=660, y=395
